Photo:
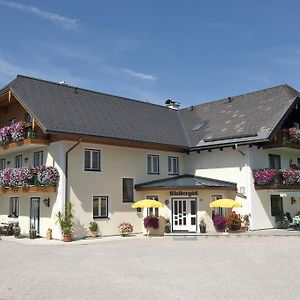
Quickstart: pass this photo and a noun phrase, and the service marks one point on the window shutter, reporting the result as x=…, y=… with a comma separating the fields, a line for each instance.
x=169, y=165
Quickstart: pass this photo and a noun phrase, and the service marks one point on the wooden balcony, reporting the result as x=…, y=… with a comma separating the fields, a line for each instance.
x=30, y=189
x=277, y=187
x=32, y=137
x=282, y=139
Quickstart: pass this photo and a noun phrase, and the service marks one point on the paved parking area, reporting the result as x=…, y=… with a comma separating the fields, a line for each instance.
x=238, y=267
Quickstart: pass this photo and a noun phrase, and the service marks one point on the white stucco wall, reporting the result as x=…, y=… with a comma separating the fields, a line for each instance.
x=116, y=163
x=54, y=155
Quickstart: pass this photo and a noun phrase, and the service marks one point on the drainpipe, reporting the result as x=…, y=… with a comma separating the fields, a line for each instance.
x=66, y=171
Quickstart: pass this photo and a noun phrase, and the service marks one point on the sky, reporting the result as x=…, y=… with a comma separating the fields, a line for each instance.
x=192, y=51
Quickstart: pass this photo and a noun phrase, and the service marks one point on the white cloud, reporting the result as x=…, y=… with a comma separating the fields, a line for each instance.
x=139, y=75
x=53, y=17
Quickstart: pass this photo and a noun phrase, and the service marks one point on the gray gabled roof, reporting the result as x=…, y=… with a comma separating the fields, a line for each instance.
x=66, y=109
x=185, y=182
x=250, y=117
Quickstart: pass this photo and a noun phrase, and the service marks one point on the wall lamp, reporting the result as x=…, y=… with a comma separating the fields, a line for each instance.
x=47, y=201
x=293, y=200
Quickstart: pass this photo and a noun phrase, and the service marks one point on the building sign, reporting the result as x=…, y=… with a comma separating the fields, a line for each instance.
x=181, y=193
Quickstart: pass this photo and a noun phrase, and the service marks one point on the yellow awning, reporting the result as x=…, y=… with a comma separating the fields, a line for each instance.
x=226, y=203
x=147, y=203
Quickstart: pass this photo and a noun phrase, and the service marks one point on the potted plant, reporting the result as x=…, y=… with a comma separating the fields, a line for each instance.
x=32, y=232
x=234, y=221
x=125, y=229
x=93, y=229
x=202, y=226
x=245, y=223
x=168, y=226
x=219, y=222
x=17, y=230
x=66, y=221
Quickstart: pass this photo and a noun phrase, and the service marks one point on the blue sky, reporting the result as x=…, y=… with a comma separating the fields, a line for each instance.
x=192, y=51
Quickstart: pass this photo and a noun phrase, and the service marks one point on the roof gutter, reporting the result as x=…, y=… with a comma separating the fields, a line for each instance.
x=67, y=168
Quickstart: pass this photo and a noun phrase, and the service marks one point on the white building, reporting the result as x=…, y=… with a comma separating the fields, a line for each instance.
x=110, y=151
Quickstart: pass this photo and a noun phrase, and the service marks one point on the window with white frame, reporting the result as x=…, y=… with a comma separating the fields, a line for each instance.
x=38, y=159
x=91, y=160
x=173, y=165
x=153, y=210
x=100, y=206
x=2, y=164
x=13, y=207
x=18, y=161
x=152, y=164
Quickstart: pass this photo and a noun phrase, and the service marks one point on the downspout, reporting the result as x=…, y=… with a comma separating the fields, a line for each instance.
x=67, y=167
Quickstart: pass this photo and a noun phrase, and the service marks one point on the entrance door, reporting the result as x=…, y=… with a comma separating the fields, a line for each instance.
x=35, y=213
x=184, y=214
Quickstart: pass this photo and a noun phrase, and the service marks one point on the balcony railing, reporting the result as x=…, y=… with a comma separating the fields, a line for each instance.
x=276, y=179
x=20, y=133
x=29, y=179
x=286, y=137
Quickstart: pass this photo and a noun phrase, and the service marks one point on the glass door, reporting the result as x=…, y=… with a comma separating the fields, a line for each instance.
x=184, y=214
x=35, y=214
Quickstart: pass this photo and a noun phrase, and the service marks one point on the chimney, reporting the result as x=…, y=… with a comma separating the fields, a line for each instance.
x=172, y=104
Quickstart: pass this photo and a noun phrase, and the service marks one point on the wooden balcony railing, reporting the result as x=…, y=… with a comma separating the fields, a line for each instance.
x=284, y=139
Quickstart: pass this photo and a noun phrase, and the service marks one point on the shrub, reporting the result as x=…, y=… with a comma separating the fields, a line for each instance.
x=151, y=222
x=234, y=221
x=219, y=222
x=93, y=226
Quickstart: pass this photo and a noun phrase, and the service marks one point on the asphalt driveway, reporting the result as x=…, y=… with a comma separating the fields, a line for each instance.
x=154, y=268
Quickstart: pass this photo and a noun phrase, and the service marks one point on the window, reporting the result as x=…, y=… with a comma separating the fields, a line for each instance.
x=127, y=190
x=38, y=159
x=217, y=210
x=13, y=207
x=173, y=165
x=91, y=160
x=100, y=206
x=298, y=162
x=18, y=161
x=276, y=205
x=153, y=210
x=152, y=164
x=2, y=163
x=28, y=118
x=274, y=161
x=11, y=121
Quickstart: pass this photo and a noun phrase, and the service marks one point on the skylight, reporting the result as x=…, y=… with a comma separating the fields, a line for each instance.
x=198, y=126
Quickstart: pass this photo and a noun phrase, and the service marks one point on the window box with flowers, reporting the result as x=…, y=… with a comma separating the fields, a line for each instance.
x=27, y=178
x=284, y=178
x=294, y=135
